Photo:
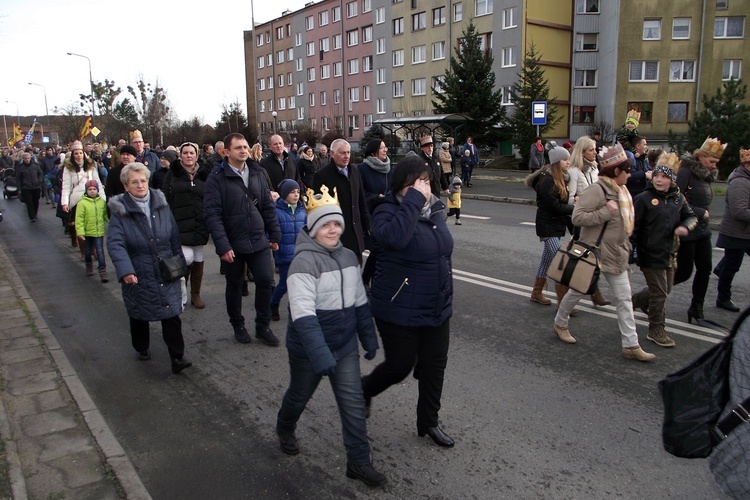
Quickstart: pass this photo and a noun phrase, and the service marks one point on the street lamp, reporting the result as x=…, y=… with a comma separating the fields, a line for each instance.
x=275, y=114
x=91, y=83
x=46, y=109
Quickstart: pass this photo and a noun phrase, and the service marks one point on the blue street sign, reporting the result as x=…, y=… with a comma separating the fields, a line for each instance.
x=539, y=113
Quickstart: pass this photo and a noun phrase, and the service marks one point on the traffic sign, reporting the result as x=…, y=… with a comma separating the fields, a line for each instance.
x=539, y=113
x=95, y=131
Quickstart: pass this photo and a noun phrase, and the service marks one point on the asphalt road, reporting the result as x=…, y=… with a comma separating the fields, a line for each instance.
x=532, y=417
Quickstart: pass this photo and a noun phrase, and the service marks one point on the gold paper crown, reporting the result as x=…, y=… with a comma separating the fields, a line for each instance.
x=136, y=134
x=713, y=146
x=670, y=160
x=633, y=115
x=321, y=200
x=744, y=155
x=613, y=156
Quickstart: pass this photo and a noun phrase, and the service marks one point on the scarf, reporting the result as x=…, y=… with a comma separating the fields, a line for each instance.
x=378, y=165
x=588, y=165
x=625, y=202
x=539, y=147
x=143, y=204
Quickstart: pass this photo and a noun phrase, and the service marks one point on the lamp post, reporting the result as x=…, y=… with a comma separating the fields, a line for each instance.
x=91, y=83
x=46, y=108
x=275, y=114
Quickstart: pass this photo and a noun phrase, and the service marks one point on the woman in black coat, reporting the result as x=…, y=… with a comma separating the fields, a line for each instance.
x=183, y=186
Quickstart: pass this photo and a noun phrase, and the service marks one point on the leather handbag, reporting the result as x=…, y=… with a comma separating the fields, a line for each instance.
x=173, y=267
x=577, y=265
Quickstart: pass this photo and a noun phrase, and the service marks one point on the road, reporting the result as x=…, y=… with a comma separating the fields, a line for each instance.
x=532, y=417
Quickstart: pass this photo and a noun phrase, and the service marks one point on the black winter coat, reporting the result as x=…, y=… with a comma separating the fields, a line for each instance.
x=552, y=208
x=277, y=173
x=307, y=169
x=657, y=215
x=694, y=181
x=438, y=184
x=185, y=198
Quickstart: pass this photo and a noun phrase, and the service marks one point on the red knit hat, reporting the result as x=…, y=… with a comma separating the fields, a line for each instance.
x=92, y=183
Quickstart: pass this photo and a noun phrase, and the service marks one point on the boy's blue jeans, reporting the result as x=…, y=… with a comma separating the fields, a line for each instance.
x=280, y=290
x=97, y=243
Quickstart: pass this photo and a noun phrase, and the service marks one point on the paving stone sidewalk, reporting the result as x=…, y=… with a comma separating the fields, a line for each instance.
x=55, y=442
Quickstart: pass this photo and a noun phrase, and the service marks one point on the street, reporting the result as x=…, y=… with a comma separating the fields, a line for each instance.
x=532, y=417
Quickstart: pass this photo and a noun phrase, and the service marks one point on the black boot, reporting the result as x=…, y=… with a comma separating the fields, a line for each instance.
x=695, y=312
x=275, y=316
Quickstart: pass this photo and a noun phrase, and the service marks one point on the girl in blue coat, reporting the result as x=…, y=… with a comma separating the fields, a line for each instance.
x=292, y=217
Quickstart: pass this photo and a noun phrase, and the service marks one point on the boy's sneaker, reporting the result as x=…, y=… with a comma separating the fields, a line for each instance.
x=241, y=335
x=266, y=336
x=458, y=223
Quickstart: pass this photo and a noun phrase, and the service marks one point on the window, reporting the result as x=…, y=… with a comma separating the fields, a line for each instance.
x=644, y=71
x=418, y=21
x=323, y=98
x=262, y=106
x=310, y=74
x=301, y=113
x=380, y=106
x=509, y=18
x=279, y=33
x=722, y=4
x=289, y=54
x=419, y=86
x=731, y=70
x=646, y=109
x=681, y=28
x=366, y=6
x=325, y=44
x=298, y=64
x=288, y=30
x=485, y=41
x=352, y=66
x=281, y=103
x=437, y=84
x=366, y=93
x=289, y=79
x=508, y=57
x=367, y=34
x=398, y=57
x=438, y=51
x=583, y=114
x=354, y=122
x=380, y=15
x=310, y=48
x=270, y=105
x=380, y=46
x=729, y=27
x=677, y=112
x=269, y=60
x=336, y=96
x=396, y=1
x=261, y=62
x=484, y=7
x=300, y=88
x=587, y=41
x=338, y=68
x=366, y=64
x=507, y=97
x=682, y=71
x=353, y=94
x=292, y=102
x=336, y=14
x=279, y=57
x=652, y=29
x=270, y=82
x=337, y=41
x=367, y=120
x=261, y=84
x=458, y=13
x=398, y=26
x=325, y=122
x=438, y=16
x=398, y=88
x=281, y=80
x=297, y=39
x=268, y=37
x=352, y=38
x=587, y=6
x=380, y=76
x=419, y=54
x=323, y=18
x=325, y=72
x=259, y=40
x=309, y=23
x=351, y=9
x=311, y=99
x=585, y=78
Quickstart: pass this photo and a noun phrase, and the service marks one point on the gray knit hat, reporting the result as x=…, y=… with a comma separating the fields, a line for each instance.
x=322, y=208
x=557, y=153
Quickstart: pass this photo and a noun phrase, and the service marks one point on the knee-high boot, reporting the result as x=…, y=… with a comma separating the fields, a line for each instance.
x=536, y=295
x=598, y=299
x=196, y=278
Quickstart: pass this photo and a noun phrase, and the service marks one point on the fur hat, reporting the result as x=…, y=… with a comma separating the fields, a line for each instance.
x=321, y=209
x=557, y=154
x=127, y=148
x=287, y=186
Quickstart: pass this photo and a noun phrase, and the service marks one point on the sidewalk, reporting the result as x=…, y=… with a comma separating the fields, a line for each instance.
x=55, y=441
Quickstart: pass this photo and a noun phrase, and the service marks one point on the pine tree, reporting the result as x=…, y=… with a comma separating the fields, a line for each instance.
x=724, y=116
x=531, y=86
x=469, y=88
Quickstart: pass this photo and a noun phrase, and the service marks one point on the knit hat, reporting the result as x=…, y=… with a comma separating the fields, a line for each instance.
x=321, y=209
x=557, y=153
x=170, y=155
x=92, y=183
x=456, y=180
x=633, y=117
x=287, y=186
x=127, y=148
x=372, y=147
x=663, y=169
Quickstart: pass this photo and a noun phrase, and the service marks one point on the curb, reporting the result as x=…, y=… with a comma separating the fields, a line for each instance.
x=105, y=439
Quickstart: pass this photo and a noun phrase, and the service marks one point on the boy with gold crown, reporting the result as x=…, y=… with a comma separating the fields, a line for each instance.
x=629, y=131
x=328, y=312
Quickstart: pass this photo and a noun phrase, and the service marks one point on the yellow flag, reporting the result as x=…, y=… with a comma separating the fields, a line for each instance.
x=86, y=129
x=17, y=135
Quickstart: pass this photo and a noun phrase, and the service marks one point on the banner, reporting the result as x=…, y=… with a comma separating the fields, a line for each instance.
x=86, y=129
x=30, y=134
x=17, y=135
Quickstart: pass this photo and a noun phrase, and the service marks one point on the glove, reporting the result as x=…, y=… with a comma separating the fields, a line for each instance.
x=326, y=372
x=370, y=355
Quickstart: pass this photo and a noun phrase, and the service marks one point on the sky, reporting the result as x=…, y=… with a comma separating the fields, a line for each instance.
x=194, y=49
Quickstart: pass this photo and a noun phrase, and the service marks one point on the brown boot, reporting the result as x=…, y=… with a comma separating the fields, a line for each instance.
x=658, y=336
x=196, y=278
x=598, y=299
x=103, y=276
x=561, y=290
x=73, y=236
x=536, y=295
x=89, y=268
x=637, y=353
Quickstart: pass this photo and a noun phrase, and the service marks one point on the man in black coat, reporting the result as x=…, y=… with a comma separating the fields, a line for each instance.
x=279, y=164
x=339, y=174
x=438, y=183
x=30, y=177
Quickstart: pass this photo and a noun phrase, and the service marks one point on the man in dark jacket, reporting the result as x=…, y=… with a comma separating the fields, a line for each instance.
x=49, y=160
x=30, y=178
x=239, y=213
x=143, y=154
x=438, y=183
x=279, y=164
x=347, y=181
x=114, y=186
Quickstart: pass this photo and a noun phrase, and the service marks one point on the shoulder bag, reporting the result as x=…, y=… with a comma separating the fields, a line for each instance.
x=577, y=265
x=173, y=267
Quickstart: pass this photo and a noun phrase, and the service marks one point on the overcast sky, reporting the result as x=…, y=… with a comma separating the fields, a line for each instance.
x=196, y=54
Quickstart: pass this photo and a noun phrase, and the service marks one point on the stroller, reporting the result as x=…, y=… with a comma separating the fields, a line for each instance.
x=10, y=188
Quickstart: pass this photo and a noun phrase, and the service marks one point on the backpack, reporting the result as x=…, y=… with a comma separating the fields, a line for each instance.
x=694, y=398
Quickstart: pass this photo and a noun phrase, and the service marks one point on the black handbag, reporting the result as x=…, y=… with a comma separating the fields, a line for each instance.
x=694, y=398
x=173, y=267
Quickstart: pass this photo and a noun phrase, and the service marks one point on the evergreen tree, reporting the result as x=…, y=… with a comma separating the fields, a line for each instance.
x=531, y=86
x=374, y=132
x=468, y=88
x=724, y=116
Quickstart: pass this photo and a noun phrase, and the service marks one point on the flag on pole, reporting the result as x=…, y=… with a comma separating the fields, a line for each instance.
x=86, y=129
x=30, y=134
x=17, y=135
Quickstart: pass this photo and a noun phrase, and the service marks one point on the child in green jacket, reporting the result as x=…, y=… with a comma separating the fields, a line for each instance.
x=91, y=214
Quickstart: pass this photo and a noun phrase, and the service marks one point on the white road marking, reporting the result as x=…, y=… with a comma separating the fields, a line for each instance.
x=528, y=224
x=480, y=217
